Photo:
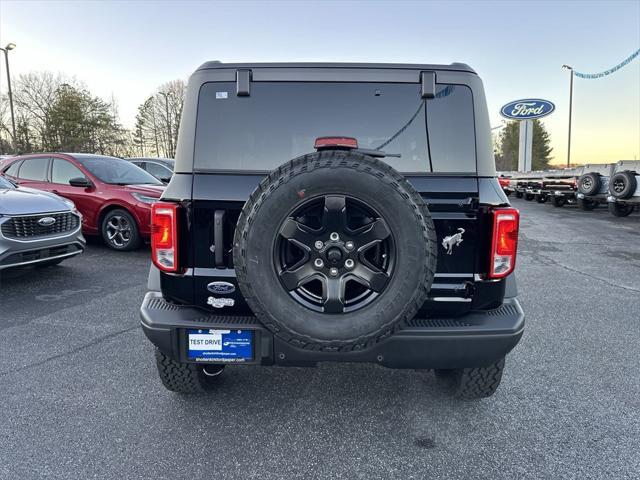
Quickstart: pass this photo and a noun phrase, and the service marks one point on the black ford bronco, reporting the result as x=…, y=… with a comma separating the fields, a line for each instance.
x=334, y=213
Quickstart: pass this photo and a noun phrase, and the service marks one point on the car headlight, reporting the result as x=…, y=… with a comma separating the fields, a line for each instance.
x=71, y=205
x=144, y=198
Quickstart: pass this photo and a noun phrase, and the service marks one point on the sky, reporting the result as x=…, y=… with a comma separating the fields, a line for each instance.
x=126, y=49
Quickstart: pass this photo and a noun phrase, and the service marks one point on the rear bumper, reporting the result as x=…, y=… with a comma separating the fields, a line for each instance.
x=476, y=339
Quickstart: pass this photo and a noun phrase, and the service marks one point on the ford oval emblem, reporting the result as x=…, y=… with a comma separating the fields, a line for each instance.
x=527, y=109
x=221, y=288
x=46, y=221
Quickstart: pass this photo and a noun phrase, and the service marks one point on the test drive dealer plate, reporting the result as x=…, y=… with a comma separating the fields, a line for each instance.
x=211, y=345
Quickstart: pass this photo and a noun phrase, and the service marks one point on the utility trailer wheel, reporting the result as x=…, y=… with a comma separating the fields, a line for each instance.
x=472, y=383
x=620, y=209
x=186, y=377
x=586, y=204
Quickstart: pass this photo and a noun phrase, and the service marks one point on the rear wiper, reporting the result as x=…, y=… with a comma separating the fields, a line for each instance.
x=375, y=153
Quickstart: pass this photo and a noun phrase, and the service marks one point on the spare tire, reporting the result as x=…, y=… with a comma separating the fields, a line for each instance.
x=589, y=183
x=623, y=184
x=334, y=251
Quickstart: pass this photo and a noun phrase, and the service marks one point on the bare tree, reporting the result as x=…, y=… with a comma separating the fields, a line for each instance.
x=158, y=120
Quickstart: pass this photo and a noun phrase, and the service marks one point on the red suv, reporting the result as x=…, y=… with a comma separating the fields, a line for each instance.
x=113, y=195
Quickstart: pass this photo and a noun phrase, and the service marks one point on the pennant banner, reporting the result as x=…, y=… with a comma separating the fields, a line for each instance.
x=611, y=70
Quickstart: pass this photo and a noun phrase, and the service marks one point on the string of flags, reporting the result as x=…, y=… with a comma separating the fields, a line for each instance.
x=627, y=61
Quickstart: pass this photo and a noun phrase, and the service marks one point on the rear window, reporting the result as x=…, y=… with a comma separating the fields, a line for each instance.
x=281, y=120
x=12, y=171
x=34, y=169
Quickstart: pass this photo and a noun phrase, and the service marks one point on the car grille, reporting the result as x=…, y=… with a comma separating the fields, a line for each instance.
x=28, y=228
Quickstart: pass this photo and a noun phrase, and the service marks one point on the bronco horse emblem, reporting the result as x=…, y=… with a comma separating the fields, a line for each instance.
x=452, y=240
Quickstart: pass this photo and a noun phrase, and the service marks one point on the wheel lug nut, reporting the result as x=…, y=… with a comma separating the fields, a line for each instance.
x=349, y=245
x=349, y=263
x=333, y=272
x=319, y=244
x=334, y=236
x=318, y=263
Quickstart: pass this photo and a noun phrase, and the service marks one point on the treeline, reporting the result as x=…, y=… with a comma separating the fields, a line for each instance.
x=59, y=113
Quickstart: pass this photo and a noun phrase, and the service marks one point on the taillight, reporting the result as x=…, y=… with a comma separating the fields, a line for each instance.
x=164, y=236
x=504, y=182
x=504, y=242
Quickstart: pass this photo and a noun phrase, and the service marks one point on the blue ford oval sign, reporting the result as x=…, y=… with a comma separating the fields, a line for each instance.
x=527, y=109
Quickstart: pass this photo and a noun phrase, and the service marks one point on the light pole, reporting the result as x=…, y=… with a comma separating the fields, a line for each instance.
x=166, y=103
x=570, y=109
x=10, y=46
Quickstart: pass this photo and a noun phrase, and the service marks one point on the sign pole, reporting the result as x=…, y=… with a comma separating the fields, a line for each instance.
x=525, y=146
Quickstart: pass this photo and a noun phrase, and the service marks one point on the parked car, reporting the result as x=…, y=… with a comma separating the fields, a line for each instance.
x=505, y=184
x=36, y=228
x=299, y=228
x=624, y=188
x=527, y=185
x=560, y=186
x=593, y=185
x=161, y=168
x=113, y=195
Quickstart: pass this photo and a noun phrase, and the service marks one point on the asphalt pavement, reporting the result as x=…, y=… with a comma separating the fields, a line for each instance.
x=80, y=397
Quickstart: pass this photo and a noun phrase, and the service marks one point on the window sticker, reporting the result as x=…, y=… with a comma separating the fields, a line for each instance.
x=220, y=95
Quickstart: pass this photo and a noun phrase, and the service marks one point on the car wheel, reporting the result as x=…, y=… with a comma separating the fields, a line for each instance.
x=519, y=194
x=120, y=230
x=346, y=245
x=559, y=201
x=507, y=193
x=529, y=196
x=541, y=198
x=620, y=209
x=472, y=383
x=623, y=185
x=589, y=183
x=186, y=377
x=586, y=204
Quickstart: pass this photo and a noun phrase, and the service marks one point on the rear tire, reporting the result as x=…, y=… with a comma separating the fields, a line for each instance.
x=529, y=196
x=586, y=204
x=120, y=230
x=541, y=198
x=186, y=377
x=620, y=209
x=559, y=201
x=472, y=383
x=519, y=194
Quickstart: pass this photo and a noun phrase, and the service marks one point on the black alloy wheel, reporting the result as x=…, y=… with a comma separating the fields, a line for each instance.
x=334, y=254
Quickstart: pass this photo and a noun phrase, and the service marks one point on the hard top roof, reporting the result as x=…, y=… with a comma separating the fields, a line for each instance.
x=458, y=67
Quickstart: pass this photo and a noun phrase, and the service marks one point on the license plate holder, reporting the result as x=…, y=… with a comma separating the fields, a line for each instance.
x=218, y=345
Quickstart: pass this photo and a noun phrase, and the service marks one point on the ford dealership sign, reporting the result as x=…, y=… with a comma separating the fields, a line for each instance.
x=527, y=109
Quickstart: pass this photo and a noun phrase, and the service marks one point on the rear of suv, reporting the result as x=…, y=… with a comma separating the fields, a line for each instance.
x=334, y=212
